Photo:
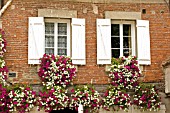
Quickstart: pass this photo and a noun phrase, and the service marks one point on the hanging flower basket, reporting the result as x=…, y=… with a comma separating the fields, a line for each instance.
x=53, y=99
x=21, y=99
x=86, y=96
x=146, y=98
x=125, y=72
x=56, y=70
x=116, y=99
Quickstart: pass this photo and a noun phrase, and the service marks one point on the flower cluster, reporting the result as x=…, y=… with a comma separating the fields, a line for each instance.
x=3, y=72
x=116, y=99
x=3, y=99
x=57, y=70
x=53, y=99
x=146, y=98
x=86, y=96
x=21, y=99
x=3, y=68
x=2, y=43
x=125, y=73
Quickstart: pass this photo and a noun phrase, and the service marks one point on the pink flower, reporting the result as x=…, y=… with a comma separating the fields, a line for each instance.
x=72, y=90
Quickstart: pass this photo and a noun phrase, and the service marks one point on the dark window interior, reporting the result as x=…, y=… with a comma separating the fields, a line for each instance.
x=1, y=3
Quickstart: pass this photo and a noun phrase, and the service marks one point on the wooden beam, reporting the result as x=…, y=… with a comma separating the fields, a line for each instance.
x=5, y=7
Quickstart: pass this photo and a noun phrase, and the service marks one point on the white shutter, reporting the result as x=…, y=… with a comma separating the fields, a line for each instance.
x=143, y=42
x=36, y=36
x=78, y=41
x=167, y=80
x=103, y=41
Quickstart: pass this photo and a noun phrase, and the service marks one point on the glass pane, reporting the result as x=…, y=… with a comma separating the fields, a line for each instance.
x=62, y=52
x=126, y=42
x=126, y=30
x=115, y=53
x=115, y=29
x=62, y=28
x=115, y=42
x=49, y=50
x=127, y=52
x=49, y=41
x=62, y=41
x=49, y=28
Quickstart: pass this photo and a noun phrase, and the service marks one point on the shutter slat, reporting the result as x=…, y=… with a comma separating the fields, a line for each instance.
x=103, y=41
x=78, y=41
x=143, y=42
x=36, y=36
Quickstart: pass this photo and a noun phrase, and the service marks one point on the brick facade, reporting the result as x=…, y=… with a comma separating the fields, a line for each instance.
x=15, y=25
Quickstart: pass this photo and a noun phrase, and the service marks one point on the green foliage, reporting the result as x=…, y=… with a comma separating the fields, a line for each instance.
x=115, y=61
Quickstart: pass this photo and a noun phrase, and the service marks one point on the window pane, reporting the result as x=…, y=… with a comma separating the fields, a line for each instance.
x=49, y=38
x=126, y=42
x=115, y=30
x=62, y=28
x=115, y=42
x=126, y=30
x=115, y=53
x=49, y=41
x=62, y=52
x=62, y=41
x=127, y=52
x=49, y=28
x=49, y=50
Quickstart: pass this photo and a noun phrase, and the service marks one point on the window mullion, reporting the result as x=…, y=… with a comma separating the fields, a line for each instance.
x=68, y=39
x=121, y=40
x=56, y=39
x=133, y=40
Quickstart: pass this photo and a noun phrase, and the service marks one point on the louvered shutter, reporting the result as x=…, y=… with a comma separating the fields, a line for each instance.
x=103, y=41
x=36, y=36
x=143, y=42
x=78, y=41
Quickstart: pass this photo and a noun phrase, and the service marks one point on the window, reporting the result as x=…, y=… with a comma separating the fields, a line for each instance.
x=52, y=36
x=57, y=37
x=122, y=38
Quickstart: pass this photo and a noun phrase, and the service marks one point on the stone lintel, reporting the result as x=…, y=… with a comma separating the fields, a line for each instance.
x=122, y=15
x=57, y=13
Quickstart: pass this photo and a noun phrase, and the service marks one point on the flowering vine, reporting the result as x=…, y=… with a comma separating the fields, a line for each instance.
x=3, y=99
x=3, y=43
x=3, y=72
x=57, y=70
x=3, y=68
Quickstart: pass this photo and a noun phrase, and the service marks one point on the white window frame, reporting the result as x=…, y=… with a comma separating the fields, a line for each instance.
x=56, y=21
x=133, y=36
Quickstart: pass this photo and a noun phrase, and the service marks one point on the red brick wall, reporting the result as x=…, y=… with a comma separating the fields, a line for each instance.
x=15, y=24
